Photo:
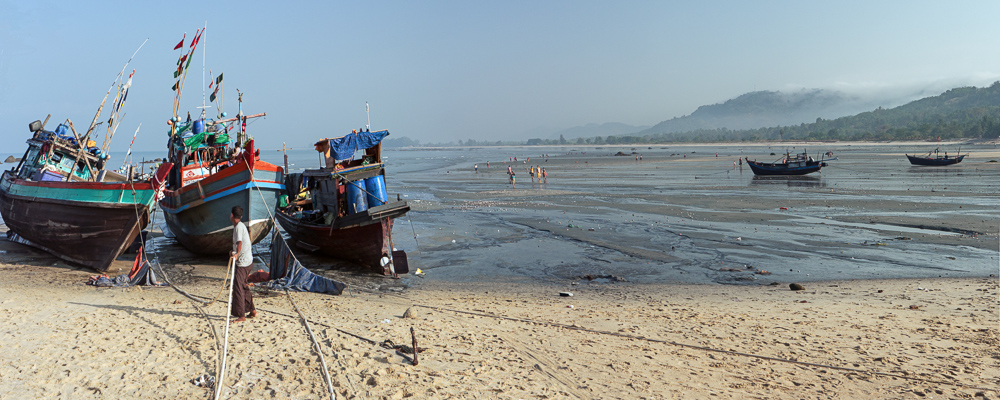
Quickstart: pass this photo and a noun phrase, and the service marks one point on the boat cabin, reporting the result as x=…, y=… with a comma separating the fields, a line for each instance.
x=800, y=160
x=352, y=180
x=202, y=149
x=57, y=156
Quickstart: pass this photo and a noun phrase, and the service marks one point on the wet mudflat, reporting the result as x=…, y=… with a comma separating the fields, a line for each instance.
x=684, y=214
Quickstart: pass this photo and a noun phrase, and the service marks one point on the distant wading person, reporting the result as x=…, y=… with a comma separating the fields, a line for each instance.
x=242, y=298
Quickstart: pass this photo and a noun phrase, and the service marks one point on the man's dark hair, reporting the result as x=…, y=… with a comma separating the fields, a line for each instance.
x=238, y=212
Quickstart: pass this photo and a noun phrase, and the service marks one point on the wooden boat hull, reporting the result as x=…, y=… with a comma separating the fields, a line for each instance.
x=86, y=223
x=934, y=161
x=784, y=169
x=198, y=213
x=364, y=243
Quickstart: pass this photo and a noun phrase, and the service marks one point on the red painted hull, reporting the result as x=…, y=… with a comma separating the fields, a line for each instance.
x=364, y=244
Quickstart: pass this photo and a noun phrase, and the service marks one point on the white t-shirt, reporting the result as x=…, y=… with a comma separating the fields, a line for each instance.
x=240, y=234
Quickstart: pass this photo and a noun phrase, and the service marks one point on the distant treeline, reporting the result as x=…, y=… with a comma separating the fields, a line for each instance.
x=966, y=112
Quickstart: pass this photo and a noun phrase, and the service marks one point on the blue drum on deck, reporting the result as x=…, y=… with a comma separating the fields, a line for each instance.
x=376, y=195
x=199, y=126
x=355, y=192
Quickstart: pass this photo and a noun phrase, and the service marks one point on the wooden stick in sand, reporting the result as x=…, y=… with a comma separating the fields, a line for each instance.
x=413, y=336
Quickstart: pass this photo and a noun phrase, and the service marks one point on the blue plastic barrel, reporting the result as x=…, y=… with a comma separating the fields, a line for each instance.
x=376, y=191
x=199, y=126
x=356, y=197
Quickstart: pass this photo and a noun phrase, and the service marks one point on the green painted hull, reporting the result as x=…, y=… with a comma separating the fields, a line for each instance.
x=87, y=223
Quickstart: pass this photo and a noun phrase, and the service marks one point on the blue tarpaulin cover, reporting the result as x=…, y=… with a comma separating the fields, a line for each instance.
x=288, y=273
x=343, y=148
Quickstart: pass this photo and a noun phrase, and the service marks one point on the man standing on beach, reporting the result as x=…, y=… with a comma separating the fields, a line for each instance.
x=242, y=298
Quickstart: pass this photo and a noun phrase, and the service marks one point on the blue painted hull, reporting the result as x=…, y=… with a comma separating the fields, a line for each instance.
x=198, y=213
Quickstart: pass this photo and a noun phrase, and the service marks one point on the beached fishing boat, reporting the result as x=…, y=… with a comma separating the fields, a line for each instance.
x=207, y=182
x=61, y=199
x=213, y=173
x=342, y=210
x=801, y=164
x=934, y=158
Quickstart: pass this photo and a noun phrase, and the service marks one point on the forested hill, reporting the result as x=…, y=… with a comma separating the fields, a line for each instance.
x=966, y=112
x=766, y=108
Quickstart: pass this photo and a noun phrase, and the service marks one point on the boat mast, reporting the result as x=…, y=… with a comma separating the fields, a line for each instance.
x=239, y=118
x=117, y=78
x=204, y=54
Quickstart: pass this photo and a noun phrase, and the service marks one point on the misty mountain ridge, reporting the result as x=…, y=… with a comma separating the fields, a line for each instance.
x=962, y=112
x=772, y=108
x=755, y=110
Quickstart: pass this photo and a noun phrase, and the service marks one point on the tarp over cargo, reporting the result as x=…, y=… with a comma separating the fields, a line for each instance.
x=343, y=148
x=287, y=273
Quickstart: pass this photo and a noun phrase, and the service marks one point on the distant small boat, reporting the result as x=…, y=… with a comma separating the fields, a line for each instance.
x=935, y=159
x=342, y=210
x=801, y=164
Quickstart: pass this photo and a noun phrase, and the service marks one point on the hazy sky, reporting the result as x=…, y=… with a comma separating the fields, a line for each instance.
x=444, y=71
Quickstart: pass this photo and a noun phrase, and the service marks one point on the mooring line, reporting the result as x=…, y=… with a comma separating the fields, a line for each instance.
x=316, y=346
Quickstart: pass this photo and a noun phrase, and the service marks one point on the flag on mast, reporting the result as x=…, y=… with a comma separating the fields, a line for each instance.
x=124, y=92
x=196, y=38
x=181, y=43
x=218, y=84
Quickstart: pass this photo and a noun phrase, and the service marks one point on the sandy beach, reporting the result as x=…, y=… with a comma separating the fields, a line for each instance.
x=859, y=339
x=691, y=264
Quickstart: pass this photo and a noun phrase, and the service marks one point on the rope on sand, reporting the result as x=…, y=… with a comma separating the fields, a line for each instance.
x=703, y=348
x=158, y=269
x=316, y=347
x=215, y=334
x=225, y=346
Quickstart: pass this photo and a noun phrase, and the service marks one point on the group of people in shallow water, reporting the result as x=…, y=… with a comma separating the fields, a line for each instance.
x=535, y=172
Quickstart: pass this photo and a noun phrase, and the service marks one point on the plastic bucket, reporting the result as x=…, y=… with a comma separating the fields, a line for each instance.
x=355, y=197
x=376, y=195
